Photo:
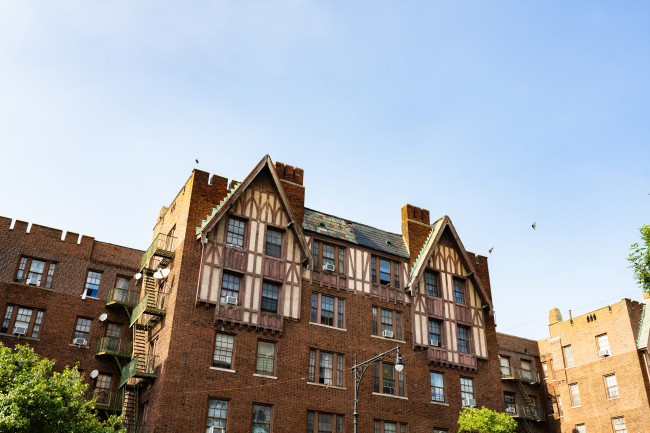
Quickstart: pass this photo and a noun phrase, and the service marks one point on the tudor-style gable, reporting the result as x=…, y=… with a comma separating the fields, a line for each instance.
x=253, y=251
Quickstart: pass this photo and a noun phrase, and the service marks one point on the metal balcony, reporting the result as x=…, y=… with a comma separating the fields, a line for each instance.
x=114, y=346
x=527, y=412
x=127, y=298
x=163, y=248
x=105, y=399
x=526, y=376
x=142, y=366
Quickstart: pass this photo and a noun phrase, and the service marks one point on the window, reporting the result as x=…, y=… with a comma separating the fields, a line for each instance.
x=603, y=345
x=388, y=274
x=22, y=321
x=122, y=283
x=391, y=323
x=545, y=370
x=261, y=419
x=273, y=242
x=435, y=332
x=437, y=387
x=223, y=349
x=611, y=386
x=329, y=257
x=114, y=330
x=509, y=399
x=327, y=310
x=92, y=283
x=82, y=330
x=330, y=367
x=319, y=422
x=270, y=297
x=431, y=284
x=387, y=379
x=31, y=271
x=575, y=394
x=390, y=427
x=525, y=365
x=230, y=287
x=463, y=339
x=217, y=413
x=102, y=389
x=580, y=428
x=559, y=406
x=459, y=291
x=619, y=425
x=467, y=391
x=505, y=366
x=549, y=404
x=265, y=357
x=568, y=356
x=236, y=230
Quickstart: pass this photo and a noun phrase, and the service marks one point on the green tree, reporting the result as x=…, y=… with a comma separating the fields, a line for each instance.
x=640, y=259
x=34, y=398
x=485, y=421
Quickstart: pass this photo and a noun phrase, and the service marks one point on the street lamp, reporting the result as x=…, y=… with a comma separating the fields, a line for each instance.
x=360, y=369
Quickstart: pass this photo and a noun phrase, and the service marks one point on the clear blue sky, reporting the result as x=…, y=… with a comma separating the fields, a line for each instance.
x=495, y=113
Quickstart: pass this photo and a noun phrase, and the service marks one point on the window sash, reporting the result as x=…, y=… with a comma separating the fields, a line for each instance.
x=463, y=339
x=389, y=320
x=568, y=356
x=329, y=254
x=435, y=331
x=387, y=380
x=235, y=232
x=273, y=243
x=230, y=286
x=437, y=387
x=270, y=294
x=431, y=284
x=575, y=395
x=611, y=385
x=92, y=283
x=327, y=310
x=261, y=418
x=466, y=388
x=82, y=329
x=34, y=270
x=459, y=291
x=217, y=413
x=265, y=357
x=223, y=351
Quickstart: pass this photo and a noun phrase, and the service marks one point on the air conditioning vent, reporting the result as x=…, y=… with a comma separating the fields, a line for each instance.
x=328, y=266
x=435, y=343
x=215, y=429
x=231, y=300
x=20, y=330
x=469, y=402
x=603, y=353
x=79, y=341
x=511, y=410
x=32, y=281
x=387, y=334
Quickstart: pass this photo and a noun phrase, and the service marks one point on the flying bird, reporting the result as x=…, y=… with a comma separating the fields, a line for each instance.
x=534, y=225
x=197, y=161
x=491, y=250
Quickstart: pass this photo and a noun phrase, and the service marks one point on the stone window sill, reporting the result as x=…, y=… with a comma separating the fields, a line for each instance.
x=389, y=339
x=227, y=370
x=439, y=403
x=80, y=347
x=390, y=395
x=266, y=376
x=18, y=337
x=325, y=386
x=328, y=326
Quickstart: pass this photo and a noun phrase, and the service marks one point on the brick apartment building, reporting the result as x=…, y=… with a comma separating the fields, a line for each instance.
x=595, y=369
x=524, y=394
x=247, y=311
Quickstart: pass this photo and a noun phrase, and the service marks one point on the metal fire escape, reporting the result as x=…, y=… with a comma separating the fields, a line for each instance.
x=144, y=309
x=526, y=412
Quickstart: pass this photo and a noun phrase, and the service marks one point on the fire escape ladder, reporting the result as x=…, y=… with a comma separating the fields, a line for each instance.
x=525, y=410
x=130, y=408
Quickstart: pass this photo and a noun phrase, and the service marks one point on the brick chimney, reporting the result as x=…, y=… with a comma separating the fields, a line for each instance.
x=554, y=316
x=415, y=228
x=291, y=178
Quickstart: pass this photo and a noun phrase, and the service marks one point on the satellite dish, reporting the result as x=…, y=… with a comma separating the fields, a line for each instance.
x=165, y=272
x=137, y=276
x=158, y=275
x=94, y=374
x=103, y=317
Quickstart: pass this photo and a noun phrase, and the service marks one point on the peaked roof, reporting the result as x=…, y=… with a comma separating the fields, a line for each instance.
x=437, y=229
x=238, y=189
x=355, y=233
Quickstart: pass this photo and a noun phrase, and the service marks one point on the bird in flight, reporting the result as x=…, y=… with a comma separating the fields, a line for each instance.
x=534, y=225
x=491, y=250
x=197, y=161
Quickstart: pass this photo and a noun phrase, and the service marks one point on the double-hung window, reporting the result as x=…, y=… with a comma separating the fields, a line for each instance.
x=35, y=272
x=619, y=425
x=575, y=394
x=437, y=387
x=325, y=367
x=580, y=428
x=459, y=291
x=265, y=358
x=602, y=343
x=329, y=257
x=82, y=329
x=230, y=288
x=435, y=332
x=509, y=399
x=235, y=233
x=467, y=391
x=223, y=349
x=463, y=339
x=320, y=422
x=92, y=283
x=386, y=323
x=568, y=356
x=505, y=366
x=390, y=427
x=273, y=243
x=217, y=413
x=387, y=380
x=102, y=389
x=327, y=310
x=431, y=284
x=261, y=419
x=611, y=386
x=270, y=293
x=22, y=321
x=384, y=272
x=545, y=369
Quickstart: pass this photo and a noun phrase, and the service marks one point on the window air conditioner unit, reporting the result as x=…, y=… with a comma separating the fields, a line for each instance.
x=511, y=410
x=328, y=267
x=603, y=353
x=435, y=343
x=469, y=402
x=32, y=281
x=387, y=334
x=215, y=429
x=231, y=300
x=20, y=330
x=79, y=341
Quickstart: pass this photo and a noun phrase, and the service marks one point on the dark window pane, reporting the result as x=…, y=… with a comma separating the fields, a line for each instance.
x=273, y=243
x=270, y=297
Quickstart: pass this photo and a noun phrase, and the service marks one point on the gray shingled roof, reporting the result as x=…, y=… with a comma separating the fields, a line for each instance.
x=360, y=234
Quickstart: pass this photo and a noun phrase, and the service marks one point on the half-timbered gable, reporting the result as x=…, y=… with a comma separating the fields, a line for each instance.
x=449, y=301
x=253, y=252
x=356, y=257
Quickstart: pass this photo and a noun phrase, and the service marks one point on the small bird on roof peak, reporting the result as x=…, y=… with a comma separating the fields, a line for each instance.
x=534, y=225
x=491, y=250
x=197, y=161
